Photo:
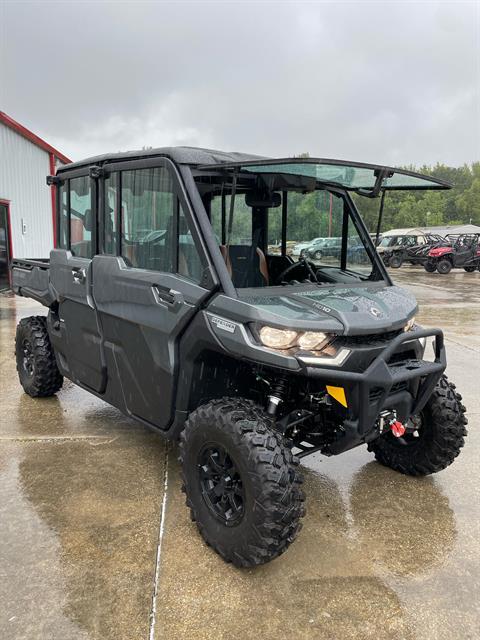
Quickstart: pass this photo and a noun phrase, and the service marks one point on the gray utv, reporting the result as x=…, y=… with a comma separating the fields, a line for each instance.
x=164, y=300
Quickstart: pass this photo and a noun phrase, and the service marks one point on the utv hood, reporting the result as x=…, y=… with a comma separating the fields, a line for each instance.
x=363, y=310
x=349, y=310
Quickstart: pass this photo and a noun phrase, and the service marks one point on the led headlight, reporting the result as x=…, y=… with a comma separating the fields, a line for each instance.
x=311, y=340
x=286, y=338
x=277, y=338
x=410, y=324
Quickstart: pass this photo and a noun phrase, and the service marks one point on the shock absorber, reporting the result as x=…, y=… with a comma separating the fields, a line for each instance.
x=279, y=389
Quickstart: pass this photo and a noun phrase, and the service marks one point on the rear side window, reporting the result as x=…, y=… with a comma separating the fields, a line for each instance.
x=76, y=217
x=63, y=208
x=81, y=219
x=154, y=230
x=110, y=216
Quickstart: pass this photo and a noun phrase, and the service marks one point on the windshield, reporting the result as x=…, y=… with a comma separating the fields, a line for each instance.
x=321, y=211
x=388, y=241
x=289, y=236
x=349, y=175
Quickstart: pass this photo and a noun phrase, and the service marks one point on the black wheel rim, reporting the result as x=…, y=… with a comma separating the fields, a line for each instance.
x=221, y=484
x=28, y=359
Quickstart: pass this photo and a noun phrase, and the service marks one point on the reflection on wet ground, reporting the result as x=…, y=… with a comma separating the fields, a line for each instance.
x=81, y=488
x=451, y=302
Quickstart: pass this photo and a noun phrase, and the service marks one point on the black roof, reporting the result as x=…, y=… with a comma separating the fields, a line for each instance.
x=379, y=177
x=179, y=155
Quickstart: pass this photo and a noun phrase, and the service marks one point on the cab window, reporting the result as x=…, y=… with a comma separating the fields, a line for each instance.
x=154, y=232
x=76, y=218
x=110, y=214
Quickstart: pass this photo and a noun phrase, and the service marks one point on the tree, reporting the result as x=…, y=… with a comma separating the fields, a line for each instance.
x=468, y=203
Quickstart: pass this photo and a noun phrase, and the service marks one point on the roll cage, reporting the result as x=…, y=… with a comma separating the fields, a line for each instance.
x=197, y=166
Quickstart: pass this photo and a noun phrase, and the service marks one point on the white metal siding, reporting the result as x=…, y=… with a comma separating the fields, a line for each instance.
x=23, y=168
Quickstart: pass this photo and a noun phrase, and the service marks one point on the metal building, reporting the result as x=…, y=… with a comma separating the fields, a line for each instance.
x=441, y=230
x=27, y=204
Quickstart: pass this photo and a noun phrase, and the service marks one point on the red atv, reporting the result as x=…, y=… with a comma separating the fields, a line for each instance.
x=462, y=251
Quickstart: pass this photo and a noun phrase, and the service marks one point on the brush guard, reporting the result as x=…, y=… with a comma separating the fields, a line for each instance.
x=405, y=385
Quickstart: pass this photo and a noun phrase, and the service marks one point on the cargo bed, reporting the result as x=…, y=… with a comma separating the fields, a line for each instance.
x=31, y=279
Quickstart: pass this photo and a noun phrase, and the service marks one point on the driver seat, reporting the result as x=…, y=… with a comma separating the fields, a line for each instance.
x=246, y=265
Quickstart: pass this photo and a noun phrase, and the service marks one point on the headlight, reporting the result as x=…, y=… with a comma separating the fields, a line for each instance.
x=277, y=338
x=311, y=340
x=287, y=338
x=410, y=324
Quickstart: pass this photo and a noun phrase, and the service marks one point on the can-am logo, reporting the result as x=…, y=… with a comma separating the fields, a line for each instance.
x=375, y=312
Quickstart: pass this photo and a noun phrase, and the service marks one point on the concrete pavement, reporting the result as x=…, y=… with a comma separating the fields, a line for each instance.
x=96, y=541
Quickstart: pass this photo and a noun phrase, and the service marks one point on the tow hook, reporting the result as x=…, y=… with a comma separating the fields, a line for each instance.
x=388, y=420
x=397, y=428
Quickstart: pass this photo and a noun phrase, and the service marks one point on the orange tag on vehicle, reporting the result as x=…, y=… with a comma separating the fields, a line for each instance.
x=338, y=393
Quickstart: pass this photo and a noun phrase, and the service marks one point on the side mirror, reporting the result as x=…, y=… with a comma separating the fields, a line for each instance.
x=88, y=220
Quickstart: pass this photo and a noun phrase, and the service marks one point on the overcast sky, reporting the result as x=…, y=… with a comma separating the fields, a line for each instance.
x=387, y=82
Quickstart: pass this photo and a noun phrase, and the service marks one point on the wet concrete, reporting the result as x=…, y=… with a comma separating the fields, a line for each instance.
x=91, y=547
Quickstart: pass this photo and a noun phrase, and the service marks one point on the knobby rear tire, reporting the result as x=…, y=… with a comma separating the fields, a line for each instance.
x=42, y=377
x=274, y=500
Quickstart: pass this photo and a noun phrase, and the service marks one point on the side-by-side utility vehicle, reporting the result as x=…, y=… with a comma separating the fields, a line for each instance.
x=164, y=301
x=415, y=252
x=458, y=251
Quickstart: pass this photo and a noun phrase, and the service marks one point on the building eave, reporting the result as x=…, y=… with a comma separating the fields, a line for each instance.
x=29, y=135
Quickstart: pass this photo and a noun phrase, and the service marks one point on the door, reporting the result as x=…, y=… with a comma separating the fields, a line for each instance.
x=147, y=290
x=78, y=344
x=4, y=247
x=464, y=251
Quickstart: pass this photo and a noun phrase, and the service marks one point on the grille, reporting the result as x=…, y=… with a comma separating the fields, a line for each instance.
x=376, y=392
x=368, y=340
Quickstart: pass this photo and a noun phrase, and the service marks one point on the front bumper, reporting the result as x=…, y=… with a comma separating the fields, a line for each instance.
x=389, y=382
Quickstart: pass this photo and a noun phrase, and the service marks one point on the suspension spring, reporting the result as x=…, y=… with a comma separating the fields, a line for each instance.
x=279, y=390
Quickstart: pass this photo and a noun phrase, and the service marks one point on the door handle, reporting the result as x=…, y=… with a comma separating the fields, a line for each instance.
x=79, y=275
x=169, y=296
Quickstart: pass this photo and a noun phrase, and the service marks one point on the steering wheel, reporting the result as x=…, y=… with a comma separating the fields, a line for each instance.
x=301, y=264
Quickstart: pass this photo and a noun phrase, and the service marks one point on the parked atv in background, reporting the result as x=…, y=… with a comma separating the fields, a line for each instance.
x=393, y=243
x=412, y=253
x=462, y=251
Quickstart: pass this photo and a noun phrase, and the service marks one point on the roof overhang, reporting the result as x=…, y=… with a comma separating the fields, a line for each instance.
x=32, y=137
x=323, y=170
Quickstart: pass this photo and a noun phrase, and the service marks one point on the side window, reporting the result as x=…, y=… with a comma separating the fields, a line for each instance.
x=81, y=219
x=110, y=215
x=154, y=230
x=189, y=264
x=63, y=208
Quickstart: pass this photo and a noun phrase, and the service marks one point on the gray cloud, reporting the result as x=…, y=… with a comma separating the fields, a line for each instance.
x=392, y=82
